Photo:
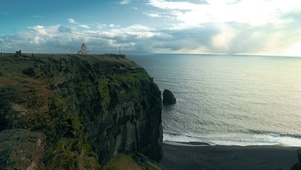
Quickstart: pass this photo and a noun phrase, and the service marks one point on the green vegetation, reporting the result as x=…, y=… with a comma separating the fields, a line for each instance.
x=61, y=144
x=88, y=107
x=122, y=162
x=77, y=122
x=104, y=92
x=134, y=161
x=88, y=148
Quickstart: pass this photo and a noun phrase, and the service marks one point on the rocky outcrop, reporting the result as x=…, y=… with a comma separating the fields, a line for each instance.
x=21, y=149
x=168, y=97
x=87, y=108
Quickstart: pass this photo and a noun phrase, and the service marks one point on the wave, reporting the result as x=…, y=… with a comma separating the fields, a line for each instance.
x=237, y=139
x=275, y=134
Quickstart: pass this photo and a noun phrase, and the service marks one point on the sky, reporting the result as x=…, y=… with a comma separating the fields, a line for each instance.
x=253, y=27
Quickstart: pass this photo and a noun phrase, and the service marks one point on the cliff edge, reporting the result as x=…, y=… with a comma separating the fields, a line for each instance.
x=76, y=112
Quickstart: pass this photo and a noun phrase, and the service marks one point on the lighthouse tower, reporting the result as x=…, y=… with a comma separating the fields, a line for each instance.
x=83, y=49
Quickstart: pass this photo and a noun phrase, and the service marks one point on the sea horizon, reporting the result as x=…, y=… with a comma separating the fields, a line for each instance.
x=127, y=53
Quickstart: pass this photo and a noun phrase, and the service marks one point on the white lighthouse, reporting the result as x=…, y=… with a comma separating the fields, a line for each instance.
x=83, y=49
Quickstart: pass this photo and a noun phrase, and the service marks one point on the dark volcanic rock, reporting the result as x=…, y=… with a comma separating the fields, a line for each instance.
x=168, y=97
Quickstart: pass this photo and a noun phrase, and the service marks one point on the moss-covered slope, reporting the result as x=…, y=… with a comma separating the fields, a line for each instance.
x=81, y=110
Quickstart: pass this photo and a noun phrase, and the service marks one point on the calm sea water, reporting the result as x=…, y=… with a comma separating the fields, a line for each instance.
x=229, y=100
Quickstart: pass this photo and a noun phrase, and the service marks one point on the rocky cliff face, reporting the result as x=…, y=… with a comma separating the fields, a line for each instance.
x=79, y=111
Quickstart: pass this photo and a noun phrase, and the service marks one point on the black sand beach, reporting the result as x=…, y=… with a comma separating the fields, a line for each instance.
x=205, y=157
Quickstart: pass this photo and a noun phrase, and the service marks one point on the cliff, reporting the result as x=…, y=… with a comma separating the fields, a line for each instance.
x=76, y=112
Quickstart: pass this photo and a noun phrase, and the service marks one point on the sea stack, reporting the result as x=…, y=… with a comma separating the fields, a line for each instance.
x=168, y=97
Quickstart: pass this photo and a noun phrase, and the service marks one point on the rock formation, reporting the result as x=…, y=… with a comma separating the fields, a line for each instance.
x=73, y=112
x=168, y=97
x=21, y=149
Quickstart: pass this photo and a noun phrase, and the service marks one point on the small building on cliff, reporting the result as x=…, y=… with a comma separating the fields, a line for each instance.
x=83, y=50
x=18, y=53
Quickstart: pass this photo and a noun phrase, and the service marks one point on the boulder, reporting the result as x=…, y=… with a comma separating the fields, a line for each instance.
x=168, y=97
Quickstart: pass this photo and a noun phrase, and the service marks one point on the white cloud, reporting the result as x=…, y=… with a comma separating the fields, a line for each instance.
x=99, y=26
x=124, y=2
x=135, y=31
x=39, y=29
x=223, y=39
x=72, y=21
x=224, y=2
x=65, y=29
x=58, y=38
x=84, y=26
x=153, y=14
x=169, y=5
x=139, y=31
x=253, y=12
x=243, y=26
x=293, y=50
x=210, y=39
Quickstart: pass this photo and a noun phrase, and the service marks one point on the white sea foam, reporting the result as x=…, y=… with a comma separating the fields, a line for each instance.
x=256, y=140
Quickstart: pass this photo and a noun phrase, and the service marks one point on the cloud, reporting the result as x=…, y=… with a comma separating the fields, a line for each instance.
x=84, y=26
x=132, y=32
x=212, y=38
x=153, y=14
x=170, y=5
x=72, y=21
x=63, y=39
x=39, y=29
x=291, y=16
x=253, y=12
x=39, y=39
x=231, y=26
x=64, y=29
x=125, y=2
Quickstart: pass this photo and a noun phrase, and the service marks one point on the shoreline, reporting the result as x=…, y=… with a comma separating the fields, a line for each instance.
x=196, y=143
x=186, y=143
x=195, y=155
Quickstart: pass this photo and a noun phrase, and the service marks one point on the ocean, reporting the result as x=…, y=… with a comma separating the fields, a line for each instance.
x=229, y=100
